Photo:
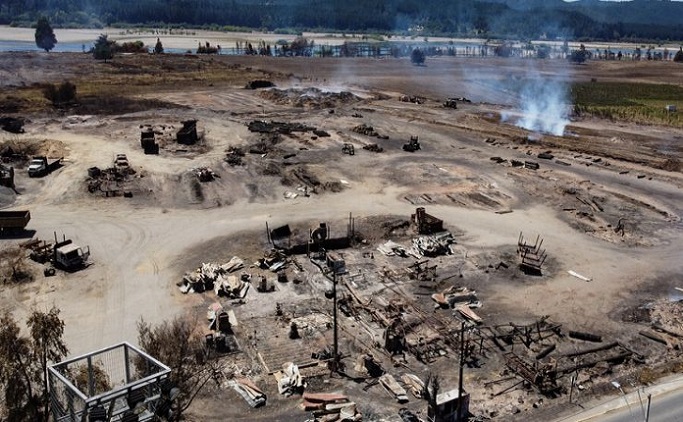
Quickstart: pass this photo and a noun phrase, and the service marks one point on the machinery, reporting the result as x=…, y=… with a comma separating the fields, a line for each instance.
x=348, y=149
x=413, y=145
x=7, y=176
x=450, y=103
x=40, y=166
x=69, y=256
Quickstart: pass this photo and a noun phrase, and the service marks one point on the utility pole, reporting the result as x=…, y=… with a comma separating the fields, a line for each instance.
x=334, y=318
x=647, y=414
x=460, y=371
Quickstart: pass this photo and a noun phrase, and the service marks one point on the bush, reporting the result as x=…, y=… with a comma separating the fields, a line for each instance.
x=130, y=47
x=60, y=95
x=417, y=57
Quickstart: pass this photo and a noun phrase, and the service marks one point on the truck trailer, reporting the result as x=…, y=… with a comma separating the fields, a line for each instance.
x=13, y=221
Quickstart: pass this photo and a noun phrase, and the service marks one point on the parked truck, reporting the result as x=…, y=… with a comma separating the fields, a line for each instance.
x=13, y=221
x=69, y=256
x=40, y=166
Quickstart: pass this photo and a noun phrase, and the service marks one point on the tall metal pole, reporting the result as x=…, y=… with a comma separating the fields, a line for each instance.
x=460, y=372
x=334, y=317
x=647, y=415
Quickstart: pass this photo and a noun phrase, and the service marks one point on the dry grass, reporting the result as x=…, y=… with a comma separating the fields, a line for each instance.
x=112, y=86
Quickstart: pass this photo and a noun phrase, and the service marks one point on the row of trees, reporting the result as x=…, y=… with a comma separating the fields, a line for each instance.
x=597, y=20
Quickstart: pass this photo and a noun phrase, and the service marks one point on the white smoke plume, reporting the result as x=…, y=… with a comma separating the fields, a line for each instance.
x=544, y=106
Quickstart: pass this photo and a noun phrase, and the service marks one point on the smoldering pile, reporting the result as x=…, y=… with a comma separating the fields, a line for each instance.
x=309, y=97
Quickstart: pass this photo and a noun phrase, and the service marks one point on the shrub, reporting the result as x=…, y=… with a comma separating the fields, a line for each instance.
x=60, y=95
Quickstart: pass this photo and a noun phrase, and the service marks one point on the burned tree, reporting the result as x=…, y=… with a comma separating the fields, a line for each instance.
x=178, y=345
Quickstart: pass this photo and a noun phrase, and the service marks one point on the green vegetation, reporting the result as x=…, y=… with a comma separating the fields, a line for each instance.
x=417, y=57
x=158, y=47
x=45, y=36
x=104, y=48
x=24, y=361
x=60, y=95
x=632, y=102
x=521, y=19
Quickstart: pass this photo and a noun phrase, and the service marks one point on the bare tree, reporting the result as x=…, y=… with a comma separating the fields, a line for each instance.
x=178, y=344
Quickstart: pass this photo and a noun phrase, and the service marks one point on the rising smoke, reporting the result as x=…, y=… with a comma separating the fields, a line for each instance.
x=544, y=106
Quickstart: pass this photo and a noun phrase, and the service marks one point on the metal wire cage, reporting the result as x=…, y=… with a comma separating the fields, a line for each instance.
x=117, y=383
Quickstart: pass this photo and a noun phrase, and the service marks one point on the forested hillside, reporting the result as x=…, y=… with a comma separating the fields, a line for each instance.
x=526, y=19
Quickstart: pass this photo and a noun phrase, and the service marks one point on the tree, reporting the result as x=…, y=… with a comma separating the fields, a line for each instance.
x=24, y=362
x=158, y=48
x=104, y=49
x=60, y=95
x=46, y=330
x=179, y=345
x=578, y=56
x=45, y=36
x=679, y=55
x=417, y=57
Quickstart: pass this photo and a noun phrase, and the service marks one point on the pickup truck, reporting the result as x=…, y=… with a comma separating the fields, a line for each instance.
x=41, y=166
x=13, y=220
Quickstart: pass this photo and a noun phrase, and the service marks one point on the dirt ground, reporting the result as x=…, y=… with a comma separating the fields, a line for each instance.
x=602, y=173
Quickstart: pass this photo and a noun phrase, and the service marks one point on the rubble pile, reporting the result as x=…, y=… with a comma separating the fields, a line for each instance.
x=204, y=174
x=109, y=181
x=262, y=126
x=432, y=245
x=454, y=296
x=308, y=325
x=426, y=245
x=216, y=277
x=309, y=97
x=368, y=130
x=246, y=388
x=412, y=99
x=234, y=156
x=289, y=380
x=373, y=148
x=330, y=407
x=391, y=248
x=274, y=260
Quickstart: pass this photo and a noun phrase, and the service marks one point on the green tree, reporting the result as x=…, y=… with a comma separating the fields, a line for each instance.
x=578, y=56
x=104, y=48
x=45, y=36
x=24, y=362
x=417, y=57
x=158, y=48
x=47, y=330
x=679, y=55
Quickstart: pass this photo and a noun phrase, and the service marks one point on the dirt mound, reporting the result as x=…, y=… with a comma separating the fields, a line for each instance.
x=27, y=148
x=309, y=97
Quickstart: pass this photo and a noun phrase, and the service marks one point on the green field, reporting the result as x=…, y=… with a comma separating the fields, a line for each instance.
x=633, y=102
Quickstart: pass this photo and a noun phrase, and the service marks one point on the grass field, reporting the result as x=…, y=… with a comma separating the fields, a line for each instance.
x=633, y=102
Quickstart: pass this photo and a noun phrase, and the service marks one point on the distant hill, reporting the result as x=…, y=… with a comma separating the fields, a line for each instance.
x=524, y=19
x=646, y=12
